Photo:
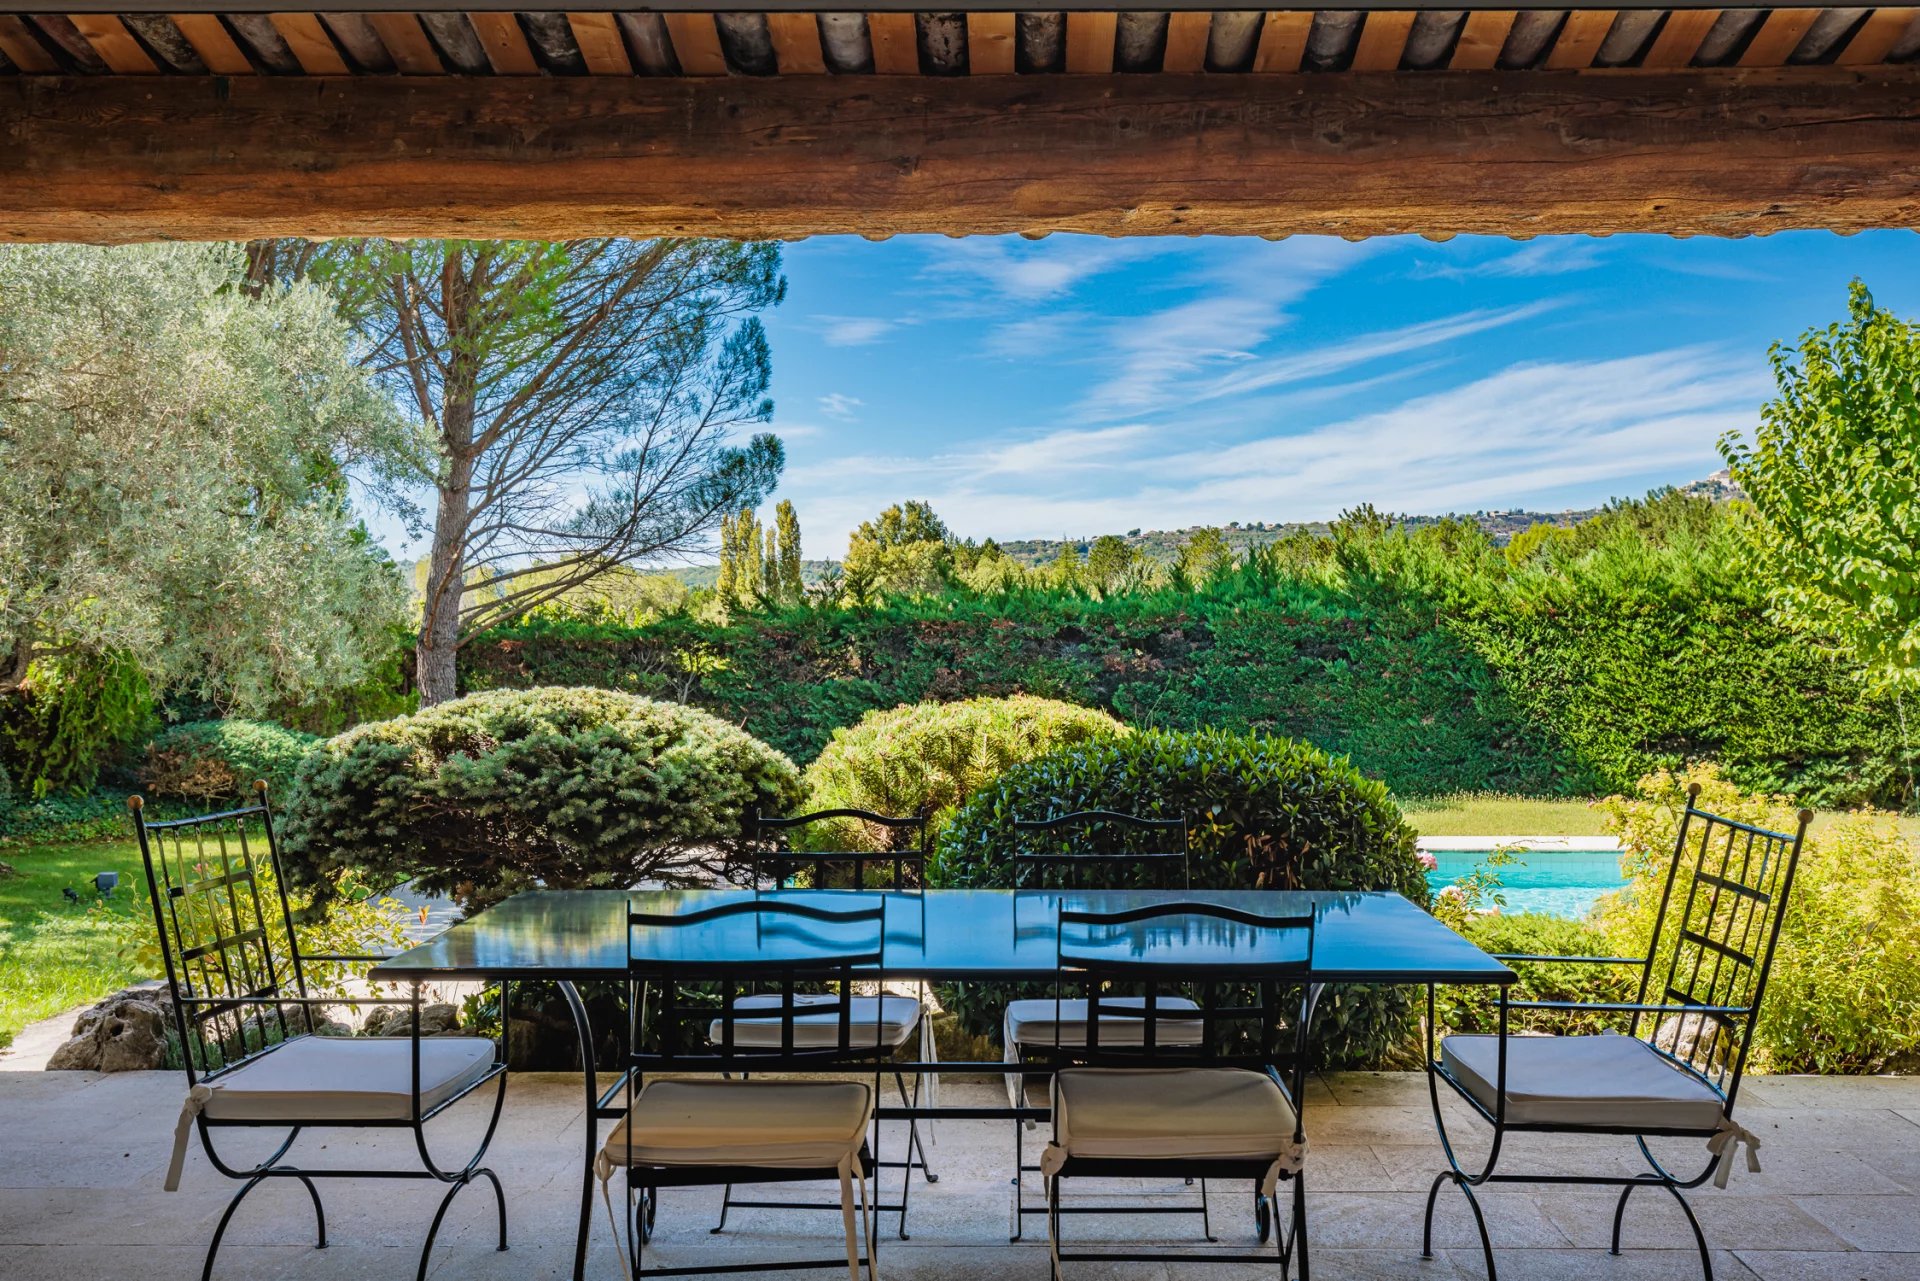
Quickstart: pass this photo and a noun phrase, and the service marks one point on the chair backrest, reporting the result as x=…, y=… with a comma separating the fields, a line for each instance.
x=755, y=985
x=1102, y=849
x=1248, y=973
x=1716, y=945
x=902, y=864
x=221, y=932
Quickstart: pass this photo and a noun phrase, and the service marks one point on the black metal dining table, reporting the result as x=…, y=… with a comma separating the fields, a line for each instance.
x=983, y=936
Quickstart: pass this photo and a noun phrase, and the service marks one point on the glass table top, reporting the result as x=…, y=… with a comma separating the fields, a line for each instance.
x=985, y=935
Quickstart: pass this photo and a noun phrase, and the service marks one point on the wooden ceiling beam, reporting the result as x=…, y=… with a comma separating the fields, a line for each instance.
x=23, y=49
x=1383, y=39
x=1527, y=153
x=1283, y=40
x=115, y=44
x=1877, y=36
x=1481, y=40
x=310, y=43
x=992, y=39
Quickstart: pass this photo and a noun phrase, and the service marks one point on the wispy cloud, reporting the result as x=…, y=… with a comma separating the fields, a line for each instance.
x=1519, y=437
x=1064, y=451
x=854, y=331
x=837, y=404
x=1556, y=257
x=1030, y=271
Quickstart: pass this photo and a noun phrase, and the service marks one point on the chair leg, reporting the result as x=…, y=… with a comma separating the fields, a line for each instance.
x=446, y=1203
x=320, y=1213
x=220, y=1230
x=1300, y=1224
x=1206, y=1214
x=726, y=1203
x=1019, y=1167
x=1479, y=1219
x=873, y=1245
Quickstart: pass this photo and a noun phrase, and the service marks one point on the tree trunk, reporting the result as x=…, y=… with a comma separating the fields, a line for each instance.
x=436, y=655
x=436, y=651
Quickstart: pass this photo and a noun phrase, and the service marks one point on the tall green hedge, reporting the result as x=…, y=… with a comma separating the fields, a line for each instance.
x=1572, y=662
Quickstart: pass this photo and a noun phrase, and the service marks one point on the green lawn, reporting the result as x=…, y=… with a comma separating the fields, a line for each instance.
x=54, y=954
x=1484, y=815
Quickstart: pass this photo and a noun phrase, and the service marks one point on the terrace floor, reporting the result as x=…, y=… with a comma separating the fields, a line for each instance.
x=82, y=1158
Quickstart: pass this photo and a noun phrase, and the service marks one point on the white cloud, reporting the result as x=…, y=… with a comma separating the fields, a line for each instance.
x=837, y=404
x=1555, y=256
x=1064, y=451
x=1029, y=271
x=854, y=331
x=1525, y=436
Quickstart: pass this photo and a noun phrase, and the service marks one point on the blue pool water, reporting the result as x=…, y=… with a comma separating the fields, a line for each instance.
x=1556, y=882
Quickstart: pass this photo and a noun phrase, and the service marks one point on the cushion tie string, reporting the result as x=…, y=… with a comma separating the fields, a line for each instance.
x=196, y=1104
x=1289, y=1162
x=603, y=1168
x=1727, y=1137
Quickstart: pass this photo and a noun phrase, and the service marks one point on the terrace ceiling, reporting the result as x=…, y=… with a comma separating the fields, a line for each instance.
x=780, y=121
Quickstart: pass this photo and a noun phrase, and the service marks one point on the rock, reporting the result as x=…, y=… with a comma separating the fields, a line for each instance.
x=438, y=1019
x=1692, y=1039
x=126, y=1032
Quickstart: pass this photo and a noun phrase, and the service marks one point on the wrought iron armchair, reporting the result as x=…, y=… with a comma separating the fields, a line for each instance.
x=1677, y=1071
x=247, y=1025
x=903, y=867
x=1086, y=849
x=1207, y=1089
x=733, y=1126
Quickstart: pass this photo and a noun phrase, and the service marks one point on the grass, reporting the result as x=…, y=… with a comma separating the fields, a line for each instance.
x=55, y=955
x=1480, y=814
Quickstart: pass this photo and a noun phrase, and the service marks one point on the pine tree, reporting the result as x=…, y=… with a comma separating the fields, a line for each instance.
x=787, y=521
x=729, y=576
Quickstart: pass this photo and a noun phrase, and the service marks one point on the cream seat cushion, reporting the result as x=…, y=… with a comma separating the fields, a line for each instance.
x=327, y=1078
x=798, y=1124
x=1605, y=1081
x=1216, y=1113
x=898, y=1016
x=1032, y=1022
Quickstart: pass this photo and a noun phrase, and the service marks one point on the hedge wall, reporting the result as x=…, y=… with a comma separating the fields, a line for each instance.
x=1565, y=669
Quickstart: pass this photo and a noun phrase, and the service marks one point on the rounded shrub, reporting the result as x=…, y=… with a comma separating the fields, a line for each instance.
x=485, y=794
x=1262, y=813
x=926, y=758
x=219, y=760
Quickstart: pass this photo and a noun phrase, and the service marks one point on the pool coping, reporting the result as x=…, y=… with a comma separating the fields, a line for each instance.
x=1569, y=844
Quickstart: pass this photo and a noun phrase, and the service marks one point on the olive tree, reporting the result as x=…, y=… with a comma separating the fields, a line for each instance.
x=174, y=462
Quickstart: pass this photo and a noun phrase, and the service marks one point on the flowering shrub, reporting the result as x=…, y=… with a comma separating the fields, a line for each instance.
x=1844, y=995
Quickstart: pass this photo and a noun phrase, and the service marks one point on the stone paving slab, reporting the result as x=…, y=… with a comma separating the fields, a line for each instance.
x=82, y=1158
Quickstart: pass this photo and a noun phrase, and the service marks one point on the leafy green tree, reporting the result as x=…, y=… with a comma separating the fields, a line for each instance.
x=1834, y=475
x=1205, y=556
x=905, y=551
x=1110, y=561
x=174, y=455
x=582, y=396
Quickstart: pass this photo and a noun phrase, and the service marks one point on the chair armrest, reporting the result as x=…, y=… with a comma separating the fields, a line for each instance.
x=297, y=1000
x=1570, y=960
x=1628, y=1007
x=342, y=956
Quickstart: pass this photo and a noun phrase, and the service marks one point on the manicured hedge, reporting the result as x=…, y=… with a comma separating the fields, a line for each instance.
x=482, y=795
x=1261, y=812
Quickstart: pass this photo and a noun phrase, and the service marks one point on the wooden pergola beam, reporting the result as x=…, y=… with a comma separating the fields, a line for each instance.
x=1728, y=153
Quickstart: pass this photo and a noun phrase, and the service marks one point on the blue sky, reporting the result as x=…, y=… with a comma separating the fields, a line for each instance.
x=1075, y=386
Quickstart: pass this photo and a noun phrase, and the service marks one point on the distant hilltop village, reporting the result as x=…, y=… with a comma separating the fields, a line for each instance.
x=1164, y=544
x=1501, y=525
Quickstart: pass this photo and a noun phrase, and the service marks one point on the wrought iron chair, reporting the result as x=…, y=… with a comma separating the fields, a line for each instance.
x=247, y=1025
x=734, y=1126
x=1086, y=849
x=1677, y=1071
x=902, y=867
x=1220, y=1098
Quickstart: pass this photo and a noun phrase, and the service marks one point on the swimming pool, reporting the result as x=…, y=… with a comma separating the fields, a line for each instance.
x=1557, y=882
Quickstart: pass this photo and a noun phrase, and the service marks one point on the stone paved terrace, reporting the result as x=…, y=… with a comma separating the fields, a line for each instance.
x=82, y=1158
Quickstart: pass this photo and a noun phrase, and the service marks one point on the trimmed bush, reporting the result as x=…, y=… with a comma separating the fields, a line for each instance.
x=219, y=760
x=926, y=758
x=1844, y=995
x=1262, y=812
x=482, y=795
